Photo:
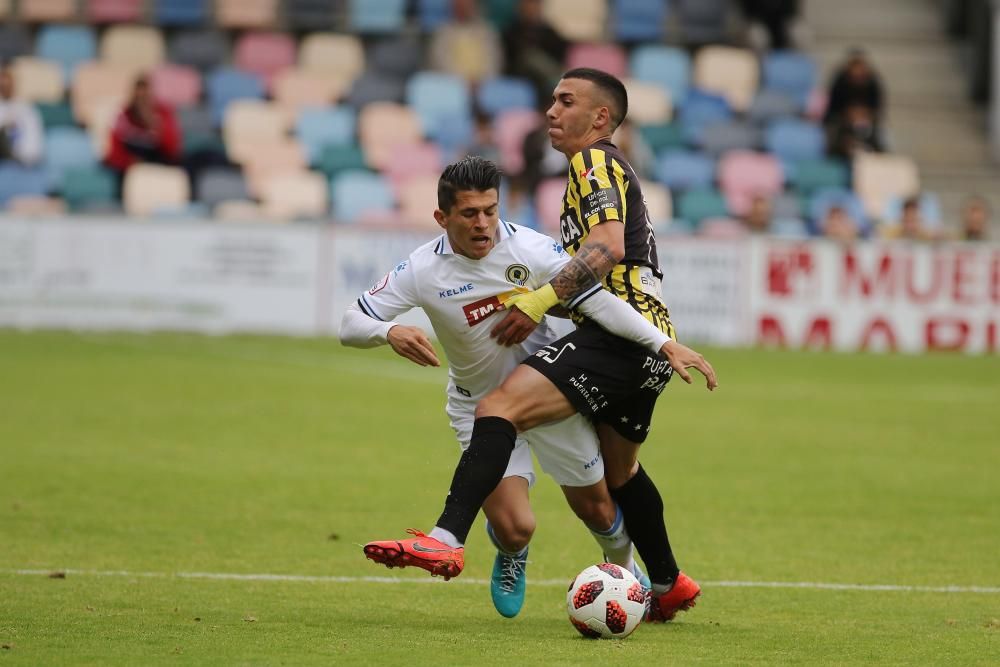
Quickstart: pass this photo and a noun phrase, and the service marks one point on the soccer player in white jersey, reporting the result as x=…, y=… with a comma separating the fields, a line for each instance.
x=462, y=280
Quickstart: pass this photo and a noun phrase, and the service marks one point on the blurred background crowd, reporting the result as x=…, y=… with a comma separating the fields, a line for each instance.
x=346, y=111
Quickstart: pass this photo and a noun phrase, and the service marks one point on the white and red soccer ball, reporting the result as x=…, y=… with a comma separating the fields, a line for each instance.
x=605, y=601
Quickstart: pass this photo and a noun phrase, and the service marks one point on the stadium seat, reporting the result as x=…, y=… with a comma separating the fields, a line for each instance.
x=823, y=200
x=431, y=14
x=83, y=187
x=311, y=14
x=664, y=66
x=373, y=87
x=701, y=110
x=264, y=53
x=249, y=123
x=435, y=95
x=658, y=203
x=195, y=121
x=355, y=193
x=38, y=80
x=318, y=128
x=67, y=45
x=791, y=73
x=702, y=21
x=334, y=159
x=98, y=85
x=56, y=114
x=149, y=188
x=202, y=49
x=770, y=105
x=48, y=11
x=724, y=136
x=376, y=16
x=744, y=174
x=18, y=180
x=215, y=185
x=114, y=11
x=180, y=13
x=503, y=93
x=639, y=20
x=237, y=210
x=341, y=56
x=685, y=170
x=225, y=85
x=413, y=160
x=548, y=205
x=137, y=49
x=35, y=206
x=396, y=55
x=66, y=148
x=176, y=85
x=237, y=14
x=697, y=205
x=14, y=41
x=880, y=177
x=648, y=103
x=509, y=131
x=383, y=127
x=607, y=57
x=273, y=158
x=811, y=175
x=577, y=20
x=789, y=228
x=795, y=140
x=418, y=200
x=289, y=196
x=727, y=71
x=662, y=136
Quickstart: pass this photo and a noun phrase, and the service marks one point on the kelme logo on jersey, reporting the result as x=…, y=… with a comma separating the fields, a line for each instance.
x=517, y=274
x=477, y=311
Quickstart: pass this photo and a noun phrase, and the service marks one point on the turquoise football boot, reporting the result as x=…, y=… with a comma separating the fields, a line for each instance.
x=508, y=582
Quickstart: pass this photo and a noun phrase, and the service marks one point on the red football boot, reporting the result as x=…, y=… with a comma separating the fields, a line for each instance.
x=420, y=550
x=679, y=598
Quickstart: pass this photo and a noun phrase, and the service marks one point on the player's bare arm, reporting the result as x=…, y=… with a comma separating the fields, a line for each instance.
x=413, y=344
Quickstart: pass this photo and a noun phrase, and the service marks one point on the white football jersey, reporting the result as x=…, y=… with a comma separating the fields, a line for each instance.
x=463, y=298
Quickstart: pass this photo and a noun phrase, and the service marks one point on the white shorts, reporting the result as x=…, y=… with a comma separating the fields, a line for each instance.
x=567, y=450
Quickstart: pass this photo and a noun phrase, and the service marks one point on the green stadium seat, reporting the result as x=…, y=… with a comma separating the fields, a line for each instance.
x=85, y=187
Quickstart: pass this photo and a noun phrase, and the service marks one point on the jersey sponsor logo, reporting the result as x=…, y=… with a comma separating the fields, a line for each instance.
x=591, y=176
x=455, y=291
x=597, y=201
x=517, y=274
x=380, y=284
x=477, y=311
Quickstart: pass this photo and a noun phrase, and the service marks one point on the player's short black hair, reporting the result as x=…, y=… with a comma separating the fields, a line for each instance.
x=610, y=85
x=469, y=173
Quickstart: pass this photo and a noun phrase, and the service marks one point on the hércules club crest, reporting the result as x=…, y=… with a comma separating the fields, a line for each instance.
x=517, y=274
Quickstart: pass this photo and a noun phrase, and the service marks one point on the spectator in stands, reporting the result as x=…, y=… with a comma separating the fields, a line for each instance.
x=21, y=135
x=758, y=218
x=467, y=46
x=145, y=131
x=911, y=225
x=839, y=225
x=975, y=219
x=776, y=16
x=541, y=161
x=854, y=110
x=533, y=49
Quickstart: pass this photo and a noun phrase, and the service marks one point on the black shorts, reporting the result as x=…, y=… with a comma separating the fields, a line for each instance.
x=606, y=378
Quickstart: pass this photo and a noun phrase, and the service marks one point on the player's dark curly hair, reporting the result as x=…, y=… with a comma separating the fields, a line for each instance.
x=610, y=85
x=469, y=173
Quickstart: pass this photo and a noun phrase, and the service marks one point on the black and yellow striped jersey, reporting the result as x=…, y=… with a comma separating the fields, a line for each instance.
x=602, y=187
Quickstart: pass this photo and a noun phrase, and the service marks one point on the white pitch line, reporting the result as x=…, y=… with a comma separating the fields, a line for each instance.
x=232, y=576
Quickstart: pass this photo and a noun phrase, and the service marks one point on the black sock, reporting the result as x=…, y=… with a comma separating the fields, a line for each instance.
x=642, y=508
x=479, y=471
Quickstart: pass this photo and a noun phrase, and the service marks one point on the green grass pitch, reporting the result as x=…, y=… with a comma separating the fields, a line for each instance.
x=127, y=459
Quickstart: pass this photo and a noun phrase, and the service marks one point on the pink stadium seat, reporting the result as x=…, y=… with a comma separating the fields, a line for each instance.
x=176, y=85
x=743, y=174
x=264, y=53
x=548, y=204
x=608, y=57
x=412, y=160
x=509, y=130
x=114, y=11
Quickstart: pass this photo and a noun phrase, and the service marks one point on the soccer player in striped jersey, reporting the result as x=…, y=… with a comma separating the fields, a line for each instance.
x=605, y=226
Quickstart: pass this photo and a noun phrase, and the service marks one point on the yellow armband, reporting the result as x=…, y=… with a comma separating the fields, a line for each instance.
x=534, y=304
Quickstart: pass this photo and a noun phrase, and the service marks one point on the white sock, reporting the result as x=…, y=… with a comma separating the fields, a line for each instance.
x=615, y=542
x=442, y=535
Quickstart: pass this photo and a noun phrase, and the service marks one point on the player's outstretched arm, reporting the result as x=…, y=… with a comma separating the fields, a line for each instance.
x=359, y=330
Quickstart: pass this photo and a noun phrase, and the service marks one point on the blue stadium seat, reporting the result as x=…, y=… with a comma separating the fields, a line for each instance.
x=639, y=20
x=227, y=84
x=665, y=66
x=433, y=13
x=67, y=45
x=702, y=21
x=790, y=72
x=794, y=140
x=700, y=110
x=729, y=135
x=769, y=105
x=436, y=96
x=354, y=193
x=684, y=170
x=18, y=180
x=453, y=132
x=502, y=93
x=376, y=16
x=317, y=128
x=175, y=13
x=65, y=148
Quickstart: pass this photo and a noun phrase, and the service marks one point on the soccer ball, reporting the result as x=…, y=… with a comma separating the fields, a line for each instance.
x=605, y=601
